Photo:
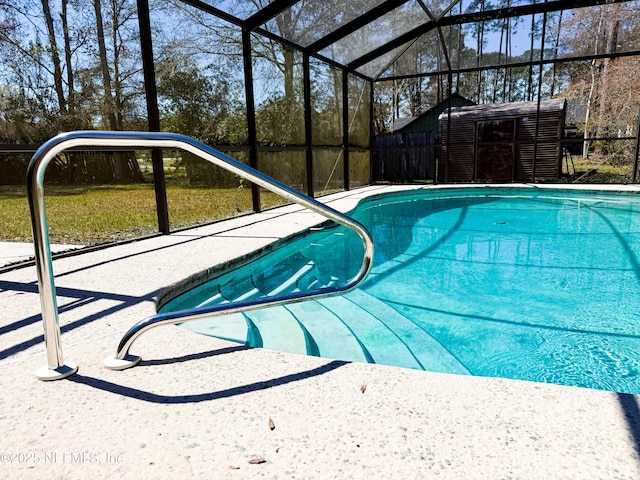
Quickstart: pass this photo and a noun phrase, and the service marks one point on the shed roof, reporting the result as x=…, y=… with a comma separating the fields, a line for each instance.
x=514, y=109
x=402, y=123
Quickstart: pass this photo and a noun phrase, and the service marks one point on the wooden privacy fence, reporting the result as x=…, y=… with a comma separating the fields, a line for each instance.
x=404, y=157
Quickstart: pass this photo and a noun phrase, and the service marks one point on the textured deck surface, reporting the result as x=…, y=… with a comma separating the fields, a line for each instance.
x=201, y=407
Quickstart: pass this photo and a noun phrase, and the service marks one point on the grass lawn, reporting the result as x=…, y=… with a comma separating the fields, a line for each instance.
x=94, y=214
x=603, y=173
x=99, y=214
x=599, y=168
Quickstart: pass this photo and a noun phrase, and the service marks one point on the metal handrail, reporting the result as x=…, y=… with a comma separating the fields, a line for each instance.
x=56, y=367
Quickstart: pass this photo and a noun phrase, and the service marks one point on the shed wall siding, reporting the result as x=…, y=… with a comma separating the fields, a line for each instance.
x=458, y=154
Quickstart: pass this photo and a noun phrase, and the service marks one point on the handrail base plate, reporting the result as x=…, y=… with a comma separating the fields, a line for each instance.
x=47, y=374
x=113, y=363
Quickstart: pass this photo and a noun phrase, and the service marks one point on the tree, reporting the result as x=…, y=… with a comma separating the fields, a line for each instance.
x=210, y=50
x=191, y=103
x=108, y=101
x=605, y=85
x=52, y=82
x=68, y=52
x=55, y=57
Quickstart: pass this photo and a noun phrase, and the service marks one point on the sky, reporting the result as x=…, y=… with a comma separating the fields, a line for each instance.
x=520, y=41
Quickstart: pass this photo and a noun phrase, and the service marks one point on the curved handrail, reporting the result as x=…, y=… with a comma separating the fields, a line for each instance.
x=56, y=368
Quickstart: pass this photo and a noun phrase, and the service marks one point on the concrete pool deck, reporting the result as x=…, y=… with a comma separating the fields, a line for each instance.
x=17, y=252
x=204, y=408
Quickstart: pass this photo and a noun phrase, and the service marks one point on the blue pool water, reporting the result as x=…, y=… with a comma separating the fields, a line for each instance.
x=525, y=283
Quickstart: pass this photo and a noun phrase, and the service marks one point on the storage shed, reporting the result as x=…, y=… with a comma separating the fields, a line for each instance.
x=495, y=142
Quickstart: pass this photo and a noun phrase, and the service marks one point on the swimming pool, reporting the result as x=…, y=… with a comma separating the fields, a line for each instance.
x=524, y=283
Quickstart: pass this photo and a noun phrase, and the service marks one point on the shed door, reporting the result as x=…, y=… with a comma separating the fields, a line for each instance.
x=495, y=149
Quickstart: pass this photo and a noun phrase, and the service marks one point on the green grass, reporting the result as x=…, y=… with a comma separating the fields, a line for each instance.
x=100, y=214
x=603, y=172
x=599, y=169
x=91, y=215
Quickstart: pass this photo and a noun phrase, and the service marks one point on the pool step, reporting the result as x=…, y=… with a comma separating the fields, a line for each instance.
x=282, y=275
x=315, y=281
x=311, y=268
x=237, y=290
x=232, y=327
x=213, y=300
x=280, y=330
x=273, y=328
x=329, y=333
x=291, y=283
x=380, y=342
x=257, y=286
x=427, y=350
x=330, y=253
x=377, y=333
